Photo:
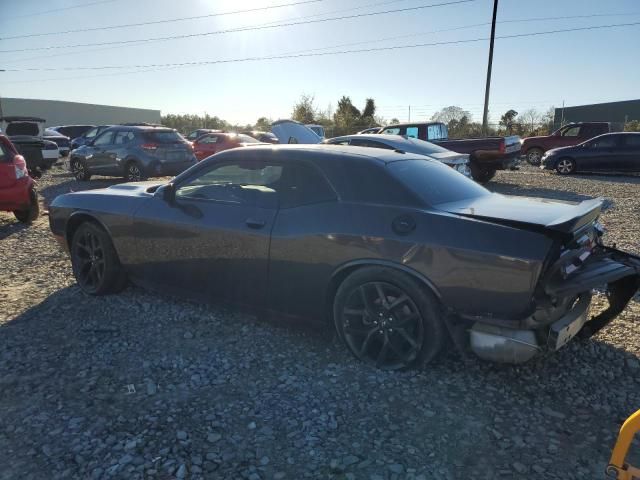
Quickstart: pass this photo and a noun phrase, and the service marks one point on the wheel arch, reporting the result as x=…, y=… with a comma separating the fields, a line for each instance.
x=343, y=271
x=78, y=218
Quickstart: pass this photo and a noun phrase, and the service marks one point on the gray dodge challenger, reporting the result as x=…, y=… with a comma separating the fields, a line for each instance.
x=398, y=253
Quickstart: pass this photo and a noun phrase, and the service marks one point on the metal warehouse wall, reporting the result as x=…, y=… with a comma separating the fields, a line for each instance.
x=70, y=113
x=615, y=112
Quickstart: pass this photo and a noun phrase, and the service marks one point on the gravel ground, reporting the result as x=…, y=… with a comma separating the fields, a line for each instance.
x=141, y=386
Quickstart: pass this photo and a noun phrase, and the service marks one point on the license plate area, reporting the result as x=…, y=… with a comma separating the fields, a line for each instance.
x=567, y=327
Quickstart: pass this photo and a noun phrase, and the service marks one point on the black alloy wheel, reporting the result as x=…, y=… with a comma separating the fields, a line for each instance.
x=387, y=320
x=95, y=263
x=79, y=170
x=133, y=172
x=565, y=166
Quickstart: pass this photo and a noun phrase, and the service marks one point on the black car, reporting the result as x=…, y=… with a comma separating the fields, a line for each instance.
x=134, y=152
x=88, y=136
x=72, y=131
x=611, y=152
x=395, y=252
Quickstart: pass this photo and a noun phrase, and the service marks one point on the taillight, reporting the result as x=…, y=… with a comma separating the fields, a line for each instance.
x=503, y=146
x=21, y=167
x=149, y=146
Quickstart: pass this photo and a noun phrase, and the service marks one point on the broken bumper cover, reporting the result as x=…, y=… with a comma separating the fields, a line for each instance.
x=619, y=271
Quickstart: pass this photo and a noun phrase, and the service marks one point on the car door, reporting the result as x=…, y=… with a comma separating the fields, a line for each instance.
x=98, y=160
x=630, y=152
x=601, y=154
x=118, y=151
x=570, y=135
x=211, y=239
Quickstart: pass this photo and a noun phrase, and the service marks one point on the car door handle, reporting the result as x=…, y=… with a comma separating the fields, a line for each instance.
x=253, y=223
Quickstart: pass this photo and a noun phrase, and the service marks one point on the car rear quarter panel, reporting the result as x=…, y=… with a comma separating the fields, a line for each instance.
x=474, y=267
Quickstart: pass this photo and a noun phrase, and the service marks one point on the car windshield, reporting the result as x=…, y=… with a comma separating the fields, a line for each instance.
x=434, y=182
x=163, y=136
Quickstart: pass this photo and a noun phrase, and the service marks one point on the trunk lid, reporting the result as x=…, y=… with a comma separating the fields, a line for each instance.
x=537, y=213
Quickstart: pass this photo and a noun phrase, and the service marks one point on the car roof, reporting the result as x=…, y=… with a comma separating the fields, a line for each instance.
x=376, y=137
x=18, y=118
x=329, y=152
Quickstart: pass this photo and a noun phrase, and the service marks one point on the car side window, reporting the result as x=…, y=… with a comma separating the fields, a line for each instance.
x=342, y=142
x=209, y=139
x=104, y=139
x=632, y=141
x=609, y=141
x=392, y=131
x=412, y=132
x=242, y=183
x=91, y=133
x=4, y=157
x=303, y=184
x=123, y=138
x=571, y=132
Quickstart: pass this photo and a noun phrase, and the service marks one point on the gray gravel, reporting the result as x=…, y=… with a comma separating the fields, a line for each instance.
x=141, y=386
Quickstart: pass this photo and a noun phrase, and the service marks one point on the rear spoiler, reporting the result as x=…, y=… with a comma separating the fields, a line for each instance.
x=582, y=214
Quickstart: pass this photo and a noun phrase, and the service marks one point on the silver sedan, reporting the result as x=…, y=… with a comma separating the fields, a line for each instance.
x=457, y=161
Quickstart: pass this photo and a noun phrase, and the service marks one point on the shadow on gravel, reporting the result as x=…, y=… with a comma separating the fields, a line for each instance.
x=135, y=381
x=72, y=185
x=11, y=228
x=609, y=178
x=527, y=191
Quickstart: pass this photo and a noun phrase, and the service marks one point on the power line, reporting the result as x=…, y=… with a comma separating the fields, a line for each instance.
x=244, y=29
x=157, y=22
x=321, y=54
x=53, y=10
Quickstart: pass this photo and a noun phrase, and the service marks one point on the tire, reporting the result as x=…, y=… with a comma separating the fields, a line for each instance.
x=534, y=156
x=409, y=323
x=95, y=262
x=482, y=174
x=31, y=213
x=133, y=172
x=566, y=166
x=80, y=170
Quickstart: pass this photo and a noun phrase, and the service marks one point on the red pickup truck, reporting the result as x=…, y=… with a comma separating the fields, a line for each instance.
x=533, y=148
x=486, y=155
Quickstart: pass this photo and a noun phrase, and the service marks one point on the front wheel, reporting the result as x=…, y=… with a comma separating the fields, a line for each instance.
x=133, y=172
x=387, y=320
x=565, y=166
x=31, y=213
x=534, y=156
x=80, y=170
x=95, y=262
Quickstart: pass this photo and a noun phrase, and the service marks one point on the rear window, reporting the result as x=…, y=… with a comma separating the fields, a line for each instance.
x=427, y=147
x=23, y=128
x=434, y=182
x=163, y=136
x=246, y=139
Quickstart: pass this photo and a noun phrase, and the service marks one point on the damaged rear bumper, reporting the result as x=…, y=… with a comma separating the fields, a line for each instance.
x=519, y=342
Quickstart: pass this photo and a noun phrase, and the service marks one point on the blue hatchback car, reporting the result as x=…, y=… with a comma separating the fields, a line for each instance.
x=133, y=152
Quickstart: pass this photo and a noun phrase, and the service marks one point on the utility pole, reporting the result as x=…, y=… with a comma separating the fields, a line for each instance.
x=409, y=114
x=562, y=115
x=485, y=115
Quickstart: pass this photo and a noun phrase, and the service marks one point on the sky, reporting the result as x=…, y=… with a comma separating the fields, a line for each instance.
x=588, y=66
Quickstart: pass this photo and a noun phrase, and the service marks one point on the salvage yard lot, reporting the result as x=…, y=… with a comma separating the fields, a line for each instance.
x=138, y=385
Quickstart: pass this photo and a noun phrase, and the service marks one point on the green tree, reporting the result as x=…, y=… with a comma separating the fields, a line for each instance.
x=304, y=110
x=394, y=121
x=450, y=113
x=632, y=126
x=508, y=119
x=347, y=117
x=263, y=124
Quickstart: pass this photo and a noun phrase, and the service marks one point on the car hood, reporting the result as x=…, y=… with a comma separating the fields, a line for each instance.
x=556, y=151
x=535, y=139
x=536, y=213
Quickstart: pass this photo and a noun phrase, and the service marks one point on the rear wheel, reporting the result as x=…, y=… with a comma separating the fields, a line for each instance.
x=534, y=156
x=133, y=172
x=95, y=262
x=31, y=213
x=565, y=166
x=386, y=319
x=80, y=170
x=482, y=174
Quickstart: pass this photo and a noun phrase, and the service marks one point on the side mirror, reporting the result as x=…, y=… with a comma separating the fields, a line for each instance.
x=169, y=193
